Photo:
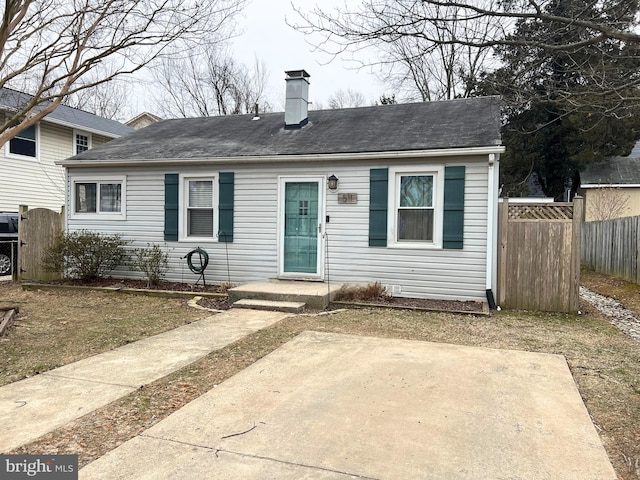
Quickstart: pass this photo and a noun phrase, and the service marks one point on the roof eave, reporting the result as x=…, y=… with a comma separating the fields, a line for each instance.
x=443, y=152
x=78, y=126
x=63, y=123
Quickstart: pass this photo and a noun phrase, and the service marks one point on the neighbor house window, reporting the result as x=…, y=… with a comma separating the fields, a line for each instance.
x=416, y=217
x=25, y=143
x=200, y=206
x=82, y=142
x=104, y=197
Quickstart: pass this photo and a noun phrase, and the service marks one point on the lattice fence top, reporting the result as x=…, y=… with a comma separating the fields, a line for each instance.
x=541, y=211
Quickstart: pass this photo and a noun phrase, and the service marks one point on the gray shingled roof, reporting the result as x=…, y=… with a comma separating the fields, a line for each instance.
x=11, y=99
x=459, y=123
x=613, y=171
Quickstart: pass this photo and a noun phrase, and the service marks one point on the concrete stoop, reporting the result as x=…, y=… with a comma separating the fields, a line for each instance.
x=271, y=305
x=316, y=295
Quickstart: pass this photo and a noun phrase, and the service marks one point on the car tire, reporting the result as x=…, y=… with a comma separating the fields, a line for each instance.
x=5, y=265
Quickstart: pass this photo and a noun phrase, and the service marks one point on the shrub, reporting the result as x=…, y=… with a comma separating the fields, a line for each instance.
x=85, y=255
x=151, y=261
x=372, y=291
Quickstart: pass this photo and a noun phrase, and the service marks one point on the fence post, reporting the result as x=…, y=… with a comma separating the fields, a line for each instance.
x=22, y=215
x=576, y=235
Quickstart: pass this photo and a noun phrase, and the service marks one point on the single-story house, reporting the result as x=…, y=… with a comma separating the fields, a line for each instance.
x=403, y=194
x=611, y=188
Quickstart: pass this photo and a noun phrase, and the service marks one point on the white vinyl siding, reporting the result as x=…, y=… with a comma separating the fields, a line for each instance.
x=252, y=256
x=39, y=184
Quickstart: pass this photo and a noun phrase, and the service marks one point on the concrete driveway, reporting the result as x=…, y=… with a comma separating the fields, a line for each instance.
x=331, y=406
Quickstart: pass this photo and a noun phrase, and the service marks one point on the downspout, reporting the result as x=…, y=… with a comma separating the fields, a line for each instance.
x=492, y=227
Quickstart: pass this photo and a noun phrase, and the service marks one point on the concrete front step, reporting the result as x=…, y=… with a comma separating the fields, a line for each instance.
x=315, y=295
x=271, y=305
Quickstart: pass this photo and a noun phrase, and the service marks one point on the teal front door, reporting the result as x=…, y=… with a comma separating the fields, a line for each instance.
x=301, y=228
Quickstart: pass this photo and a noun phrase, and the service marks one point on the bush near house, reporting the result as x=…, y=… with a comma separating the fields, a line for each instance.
x=85, y=255
x=151, y=261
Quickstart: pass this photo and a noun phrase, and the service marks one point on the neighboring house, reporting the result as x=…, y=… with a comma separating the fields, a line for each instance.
x=403, y=194
x=143, y=120
x=28, y=173
x=611, y=188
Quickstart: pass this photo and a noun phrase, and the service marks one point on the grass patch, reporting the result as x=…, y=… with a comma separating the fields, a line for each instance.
x=55, y=328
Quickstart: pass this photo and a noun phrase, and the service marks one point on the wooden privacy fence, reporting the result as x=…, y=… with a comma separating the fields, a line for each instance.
x=539, y=256
x=37, y=230
x=611, y=247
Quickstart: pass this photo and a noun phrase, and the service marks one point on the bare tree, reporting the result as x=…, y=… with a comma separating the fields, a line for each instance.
x=346, y=99
x=442, y=45
x=209, y=84
x=392, y=19
x=56, y=48
x=607, y=203
x=420, y=57
x=107, y=99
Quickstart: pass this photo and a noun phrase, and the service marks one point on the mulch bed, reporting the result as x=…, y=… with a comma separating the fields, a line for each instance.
x=223, y=304
x=142, y=285
x=428, y=304
x=412, y=303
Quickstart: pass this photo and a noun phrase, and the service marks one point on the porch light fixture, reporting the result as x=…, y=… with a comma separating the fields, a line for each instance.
x=332, y=181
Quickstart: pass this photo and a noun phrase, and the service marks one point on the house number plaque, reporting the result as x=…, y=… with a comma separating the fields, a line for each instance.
x=347, y=198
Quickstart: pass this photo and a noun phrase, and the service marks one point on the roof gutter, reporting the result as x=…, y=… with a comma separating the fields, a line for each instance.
x=492, y=228
x=445, y=152
x=610, y=185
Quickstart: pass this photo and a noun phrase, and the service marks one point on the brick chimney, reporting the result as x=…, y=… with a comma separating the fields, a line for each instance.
x=297, y=99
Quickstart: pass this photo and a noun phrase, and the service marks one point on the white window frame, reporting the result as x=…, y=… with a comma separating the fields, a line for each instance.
x=74, y=148
x=184, y=205
x=8, y=154
x=98, y=180
x=395, y=173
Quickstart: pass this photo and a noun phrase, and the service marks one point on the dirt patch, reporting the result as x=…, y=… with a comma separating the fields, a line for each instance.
x=215, y=303
x=604, y=362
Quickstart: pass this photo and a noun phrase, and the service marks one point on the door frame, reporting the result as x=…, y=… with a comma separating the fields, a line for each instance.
x=321, y=180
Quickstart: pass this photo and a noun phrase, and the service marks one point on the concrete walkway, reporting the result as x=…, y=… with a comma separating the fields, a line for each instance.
x=35, y=406
x=332, y=406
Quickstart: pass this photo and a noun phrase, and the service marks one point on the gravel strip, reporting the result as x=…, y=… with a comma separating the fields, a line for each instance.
x=624, y=319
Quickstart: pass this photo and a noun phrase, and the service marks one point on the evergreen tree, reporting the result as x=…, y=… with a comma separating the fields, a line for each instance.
x=548, y=134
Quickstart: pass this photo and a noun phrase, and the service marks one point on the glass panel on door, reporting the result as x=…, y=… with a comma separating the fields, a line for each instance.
x=301, y=227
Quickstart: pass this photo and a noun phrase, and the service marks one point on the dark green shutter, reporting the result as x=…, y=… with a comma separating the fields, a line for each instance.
x=453, y=219
x=225, y=207
x=378, y=201
x=171, y=206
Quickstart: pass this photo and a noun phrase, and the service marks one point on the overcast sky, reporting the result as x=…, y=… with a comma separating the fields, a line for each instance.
x=268, y=37
x=263, y=34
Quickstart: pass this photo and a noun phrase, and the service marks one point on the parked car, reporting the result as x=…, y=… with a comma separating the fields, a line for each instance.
x=8, y=242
